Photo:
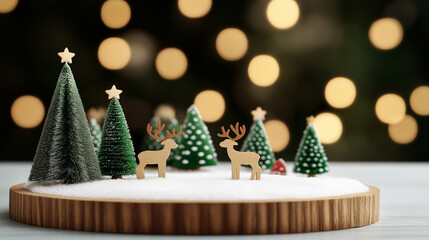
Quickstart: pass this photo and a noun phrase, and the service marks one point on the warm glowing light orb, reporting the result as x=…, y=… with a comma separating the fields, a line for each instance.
x=278, y=134
x=386, y=33
x=27, y=111
x=283, y=14
x=328, y=127
x=115, y=13
x=171, y=63
x=231, y=44
x=114, y=53
x=194, y=8
x=210, y=104
x=7, y=6
x=263, y=70
x=390, y=108
x=340, y=92
x=419, y=100
x=405, y=131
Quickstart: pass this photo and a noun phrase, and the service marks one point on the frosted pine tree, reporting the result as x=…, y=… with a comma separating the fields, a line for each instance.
x=95, y=130
x=195, y=144
x=116, y=155
x=65, y=153
x=164, y=114
x=310, y=158
x=257, y=140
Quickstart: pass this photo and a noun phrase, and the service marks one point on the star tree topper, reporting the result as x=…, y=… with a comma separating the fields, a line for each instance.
x=259, y=113
x=66, y=56
x=113, y=92
x=310, y=119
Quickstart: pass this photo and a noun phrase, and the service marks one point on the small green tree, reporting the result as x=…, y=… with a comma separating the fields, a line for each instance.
x=257, y=140
x=65, y=153
x=310, y=158
x=195, y=144
x=116, y=155
x=95, y=130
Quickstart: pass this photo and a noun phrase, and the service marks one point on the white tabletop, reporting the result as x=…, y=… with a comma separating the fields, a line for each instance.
x=404, y=206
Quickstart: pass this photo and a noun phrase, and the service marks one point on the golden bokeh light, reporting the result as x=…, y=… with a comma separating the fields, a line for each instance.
x=419, y=100
x=282, y=14
x=115, y=13
x=278, y=134
x=194, y=8
x=114, y=53
x=27, y=111
x=328, y=127
x=405, y=131
x=231, y=44
x=340, y=92
x=211, y=105
x=263, y=70
x=390, y=108
x=7, y=6
x=386, y=33
x=171, y=63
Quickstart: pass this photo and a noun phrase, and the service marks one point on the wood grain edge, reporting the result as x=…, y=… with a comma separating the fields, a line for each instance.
x=211, y=217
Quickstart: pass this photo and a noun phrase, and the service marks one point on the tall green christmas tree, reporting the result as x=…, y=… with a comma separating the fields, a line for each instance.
x=257, y=140
x=65, y=153
x=116, y=155
x=164, y=114
x=195, y=144
x=95, y=130
x=310, y=158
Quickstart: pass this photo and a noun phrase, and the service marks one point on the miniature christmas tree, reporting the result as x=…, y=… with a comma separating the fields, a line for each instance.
x=65, y=153
x=116, y=150
x=279, y=167
x=257, y=140
x=195, y=144
x=310, y=158
x=95, y=130
x=164, y=114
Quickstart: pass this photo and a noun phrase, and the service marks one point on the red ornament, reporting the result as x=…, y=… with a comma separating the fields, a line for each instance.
x=279, y=167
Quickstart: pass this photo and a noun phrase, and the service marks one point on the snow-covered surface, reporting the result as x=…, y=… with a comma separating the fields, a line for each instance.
x=207, y=184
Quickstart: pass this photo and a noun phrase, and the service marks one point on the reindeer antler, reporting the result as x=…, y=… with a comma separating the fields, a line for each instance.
x=236, y=130
x=224, y=134
x=174, y=134
x=156, y=131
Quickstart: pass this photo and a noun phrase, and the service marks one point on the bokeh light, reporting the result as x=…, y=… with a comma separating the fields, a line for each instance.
x=328, y=127
x=263, y=70
x=194, y=8
x=171, y=63
x=283, y=14
x=7, y=6
x=386, y=33
x=390, y=108
x=115, y=13
x=211, y=105
x=114, y=53
x=278, y=134
x=419, y=100
x=27, y=111
x=405, y=131
x=340, y=92
x=231, y=44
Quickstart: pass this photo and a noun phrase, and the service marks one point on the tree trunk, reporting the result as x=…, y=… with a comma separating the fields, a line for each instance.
x=117, y=177
x=311, y=175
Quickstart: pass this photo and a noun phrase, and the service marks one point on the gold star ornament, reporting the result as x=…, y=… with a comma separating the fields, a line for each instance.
x=113, y=92
x=259, y=113
x=310, y=119
x=66, y=56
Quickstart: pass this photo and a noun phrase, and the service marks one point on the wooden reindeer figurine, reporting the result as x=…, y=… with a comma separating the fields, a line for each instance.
x=238, y=158
x=157, y=157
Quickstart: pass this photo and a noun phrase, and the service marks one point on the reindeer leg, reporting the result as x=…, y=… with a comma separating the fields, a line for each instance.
x=161, y=170
x=238, y=171
x=252, y=177
x=258, y=174
x=140, y=171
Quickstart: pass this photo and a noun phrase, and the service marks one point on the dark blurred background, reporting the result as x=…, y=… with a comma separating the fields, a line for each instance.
x=311, y=42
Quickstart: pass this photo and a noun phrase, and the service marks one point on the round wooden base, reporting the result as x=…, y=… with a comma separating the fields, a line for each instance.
x=169, y=217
